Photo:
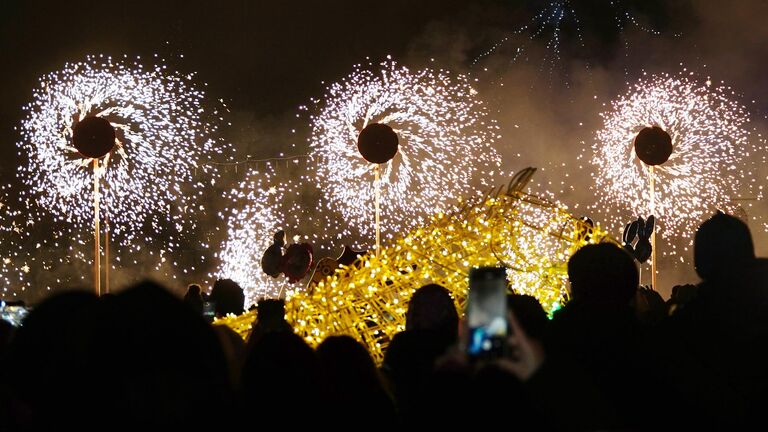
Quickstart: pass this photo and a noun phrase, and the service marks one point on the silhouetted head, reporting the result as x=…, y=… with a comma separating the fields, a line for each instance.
x=271, y=312
x=529, y=313
x=348, y=368
x=39, y=367
x=228, y=297
x=160, y=362
x=603, y=273
x=270, y=318
x=141, y=356
x=722, y=244
x=194, y=299
x=431, y=308
x=281, y=371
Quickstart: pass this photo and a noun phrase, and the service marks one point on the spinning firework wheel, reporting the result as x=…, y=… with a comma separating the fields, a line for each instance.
x=140, y=135
x=415, y=129
x=674, y=148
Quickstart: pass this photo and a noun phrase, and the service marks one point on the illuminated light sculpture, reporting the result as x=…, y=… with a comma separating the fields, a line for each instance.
x=532, y=236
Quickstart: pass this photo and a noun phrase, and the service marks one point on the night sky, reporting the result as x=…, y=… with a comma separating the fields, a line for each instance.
x=265, y=59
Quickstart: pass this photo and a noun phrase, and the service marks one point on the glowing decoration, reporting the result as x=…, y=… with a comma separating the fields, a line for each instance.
x=147, y=175
x=711, y=162
x=532, y=236
x=445, y=142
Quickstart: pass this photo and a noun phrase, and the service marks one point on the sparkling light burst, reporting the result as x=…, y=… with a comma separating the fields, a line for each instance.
x=268, y=200
x=251, y=229
x=147, y=181
x=713, y=160
x=446, y=141
x=12, y=264
x=553, y=20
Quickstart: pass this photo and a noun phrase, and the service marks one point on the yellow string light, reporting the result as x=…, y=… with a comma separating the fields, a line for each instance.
x=531, y=236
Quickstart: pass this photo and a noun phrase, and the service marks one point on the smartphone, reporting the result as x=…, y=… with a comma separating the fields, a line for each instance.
x=487, y=312
x=13, y=313
x=209, y=311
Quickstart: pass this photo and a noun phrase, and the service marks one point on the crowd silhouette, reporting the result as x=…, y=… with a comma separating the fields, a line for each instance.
x=615, y=357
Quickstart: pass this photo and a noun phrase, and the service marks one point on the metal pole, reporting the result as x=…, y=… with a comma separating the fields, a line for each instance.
x=106, y=252
x=377, y=185
x=653, y=234
x=96, y=249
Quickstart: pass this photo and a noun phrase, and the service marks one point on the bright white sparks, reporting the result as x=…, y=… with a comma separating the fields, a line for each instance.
x=162, y=136
x=250, y=233
x=446, y=141
x=712, y=162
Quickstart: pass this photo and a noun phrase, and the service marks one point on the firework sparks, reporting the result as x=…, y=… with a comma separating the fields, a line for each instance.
x=266, y=202
x=711, y=164
x=251, y=229
x=446, y=141
x=161, y=139
x=554, y=20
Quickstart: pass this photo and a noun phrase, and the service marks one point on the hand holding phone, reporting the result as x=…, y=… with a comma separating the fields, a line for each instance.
x=487, y=313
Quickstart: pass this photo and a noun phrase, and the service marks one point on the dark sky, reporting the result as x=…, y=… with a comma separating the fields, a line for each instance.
x=262, y=57
x=265, y=57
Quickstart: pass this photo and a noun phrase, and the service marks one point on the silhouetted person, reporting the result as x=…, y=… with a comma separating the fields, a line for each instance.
x=714, y=347
x=353, y=382
x=722, y=246
x=228, y=297
x=270, y=317
x=598, y=334
x=530, y=314
x=234, y=350
x=40, y=371
x=282, y=379
x=138, y=359
x=431, y=328
x=194, y=298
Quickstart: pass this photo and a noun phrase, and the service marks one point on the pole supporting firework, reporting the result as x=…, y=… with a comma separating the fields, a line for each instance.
x=378, y=144
x=653, y=146
x=652, y=185
x=377, y=185
x=96, y=247
x=94, y=137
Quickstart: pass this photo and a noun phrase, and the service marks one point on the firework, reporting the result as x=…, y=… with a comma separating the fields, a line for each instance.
x=250, y=233
x=553, y=21
x=266, y=202
x=147, y=180
x=712, y=161
x=14, y=262
x=446, y=141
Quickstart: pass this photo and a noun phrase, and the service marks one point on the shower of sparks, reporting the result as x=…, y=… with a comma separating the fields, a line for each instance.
x=713, y=163
x=251, y=229
x=268, y=200
x=550, y=22
x=12, y=263
x=446, y=142
x=147, y=182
